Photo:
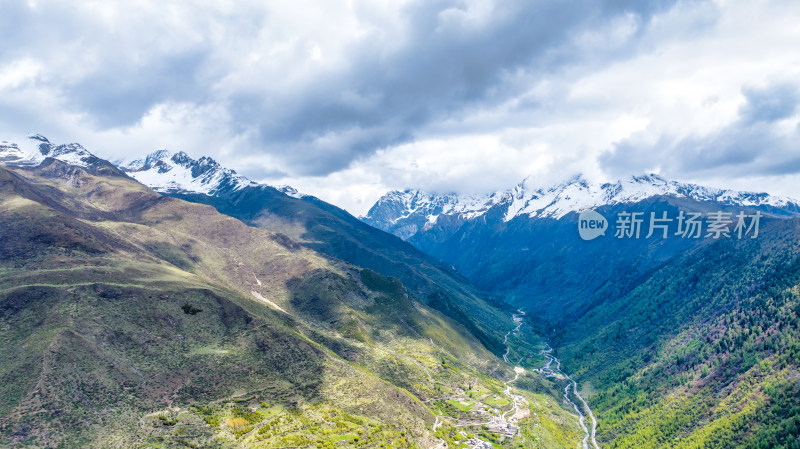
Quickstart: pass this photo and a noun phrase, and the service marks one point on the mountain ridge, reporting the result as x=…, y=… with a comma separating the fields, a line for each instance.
x=405, y=213
x=36, y=148
x=137, y=319
x=305, y=219
x=166, y=172
x=162, y=170
x=674, y=342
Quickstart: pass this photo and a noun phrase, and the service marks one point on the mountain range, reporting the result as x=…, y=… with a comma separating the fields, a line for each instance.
x=135, y=315
x=523, y=243
x=135, y=319
x=677, y=342
x=324, y=228
x=409, y=212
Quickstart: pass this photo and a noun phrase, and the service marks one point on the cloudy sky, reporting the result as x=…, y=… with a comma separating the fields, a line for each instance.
x=349, y=99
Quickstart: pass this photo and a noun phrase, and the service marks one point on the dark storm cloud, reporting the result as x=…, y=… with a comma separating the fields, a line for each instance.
x=438, y=60
x=445, y=68
x=120, y=94
x=754, y=144
x=769, y=104
x=113, y=71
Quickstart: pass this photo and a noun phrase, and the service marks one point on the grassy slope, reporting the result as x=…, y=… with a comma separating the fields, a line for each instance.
x=332, y=231
x=117, y=303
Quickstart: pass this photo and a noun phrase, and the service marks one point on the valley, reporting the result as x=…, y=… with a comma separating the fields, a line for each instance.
x=573, y=386
x=224, y=313
x=402, y=224
x=676, y=342
x=484, y=416
x=133, y=319
x=506, y=422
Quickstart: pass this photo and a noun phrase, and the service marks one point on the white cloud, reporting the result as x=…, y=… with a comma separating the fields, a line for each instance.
x=348, y=100
x=19, y=73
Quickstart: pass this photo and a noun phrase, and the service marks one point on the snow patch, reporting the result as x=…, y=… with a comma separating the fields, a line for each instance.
x=290, y=191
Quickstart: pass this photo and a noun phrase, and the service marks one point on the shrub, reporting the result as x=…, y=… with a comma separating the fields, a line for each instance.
x=190, y=309
x=237, y=423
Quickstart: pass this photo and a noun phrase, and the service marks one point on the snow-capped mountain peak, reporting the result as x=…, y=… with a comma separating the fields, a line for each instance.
x=164, y=171
x=160, y=170
x=148, y=161
x=11, y=153
x=36, y=148
x=406, y=212
x=167, y=172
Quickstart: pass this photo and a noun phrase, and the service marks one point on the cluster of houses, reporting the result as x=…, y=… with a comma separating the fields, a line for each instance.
x=477, y=443
x=503, y=428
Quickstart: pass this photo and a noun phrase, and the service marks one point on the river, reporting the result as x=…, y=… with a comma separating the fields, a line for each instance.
x=548, y=371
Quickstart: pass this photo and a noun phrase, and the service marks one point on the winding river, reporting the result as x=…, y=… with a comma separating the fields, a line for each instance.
x=548, y=371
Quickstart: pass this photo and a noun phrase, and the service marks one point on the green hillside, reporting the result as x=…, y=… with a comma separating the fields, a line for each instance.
x=332, y=231
x=702, y=353
x=130, y=319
